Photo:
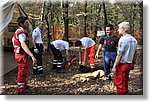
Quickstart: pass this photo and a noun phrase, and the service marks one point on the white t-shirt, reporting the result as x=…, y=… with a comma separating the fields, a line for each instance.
x=38, y=35
x=128, y=45
x=87, y=42
x=61, y=45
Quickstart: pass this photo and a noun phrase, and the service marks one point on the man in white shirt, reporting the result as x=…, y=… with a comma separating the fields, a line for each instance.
x=57, y=47
x=38, y=48
x=89, y=46
x=125, y=59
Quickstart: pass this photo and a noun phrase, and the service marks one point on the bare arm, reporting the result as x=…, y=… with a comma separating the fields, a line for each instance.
x=99, y=49
x=26, y=49
x=117, y=61
x=84, y=57
x=67, y=53
x=134, y=57
x=33, y=40
x=80, y=56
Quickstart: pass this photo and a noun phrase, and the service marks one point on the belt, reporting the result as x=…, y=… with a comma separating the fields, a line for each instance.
x=125, y=63
x=51, y=44
x=39, y=44
x=110, y=50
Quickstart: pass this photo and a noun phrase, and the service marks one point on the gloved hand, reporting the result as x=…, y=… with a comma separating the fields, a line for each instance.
x=80, y=62
x=44, y=49
x=36, y=51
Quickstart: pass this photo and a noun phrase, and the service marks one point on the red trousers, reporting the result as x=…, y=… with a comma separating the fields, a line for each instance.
x=121, y=78
x=90, y=51
x=22, y=62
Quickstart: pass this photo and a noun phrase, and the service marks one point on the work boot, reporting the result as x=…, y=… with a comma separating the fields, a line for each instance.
x=22, y=91
x=27, y=87
x=108, y=79
x=59, y=70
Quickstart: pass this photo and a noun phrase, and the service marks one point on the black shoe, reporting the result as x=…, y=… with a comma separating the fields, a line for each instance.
x=27, y=87
x=60, y=71
x=35, y=71
x=108, y=77
x=40, y=72
x=54, y=66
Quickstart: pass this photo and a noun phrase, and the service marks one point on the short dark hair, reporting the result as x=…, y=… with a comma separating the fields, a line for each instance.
x=110, y=25
x=78, y=43
x=70, y=43
x=21, y=20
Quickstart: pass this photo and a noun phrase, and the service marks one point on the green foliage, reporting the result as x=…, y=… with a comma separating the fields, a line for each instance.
x=116, y=13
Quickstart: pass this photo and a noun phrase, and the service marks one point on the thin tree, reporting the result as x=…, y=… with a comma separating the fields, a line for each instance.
x=97, y=19
x=66, y=20
x=48, y=23
x=85, y=19
x=42, y=11
x=105, y=14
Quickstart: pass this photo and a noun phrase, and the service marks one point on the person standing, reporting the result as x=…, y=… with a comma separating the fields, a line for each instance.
x=38, y=48
x=110, y=43
x=89, y=46
x=125, y=59
x=20, y=42
x=57, y=46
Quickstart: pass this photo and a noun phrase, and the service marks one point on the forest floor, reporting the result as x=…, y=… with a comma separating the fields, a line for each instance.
x=62, y=83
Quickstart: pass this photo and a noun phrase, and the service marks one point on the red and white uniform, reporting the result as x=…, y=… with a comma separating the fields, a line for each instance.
x=89, y=44
x=127, y=45
x=21, y=58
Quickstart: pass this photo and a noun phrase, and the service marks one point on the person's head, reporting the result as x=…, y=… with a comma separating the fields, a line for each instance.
x=70, y=43
x=40, y=24
x=124, y=27
x=23, y=22
x=109, y=28
x=78, y=43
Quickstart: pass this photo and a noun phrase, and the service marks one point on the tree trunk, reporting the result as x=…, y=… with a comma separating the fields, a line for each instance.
x=97, y=20
x=66, y=20
x=141, y=17
x=48, y=24
x=42, y=11
x=105, y=14
x=85, y=19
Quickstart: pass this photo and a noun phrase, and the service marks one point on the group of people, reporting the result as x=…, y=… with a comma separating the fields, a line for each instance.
x=120, y=52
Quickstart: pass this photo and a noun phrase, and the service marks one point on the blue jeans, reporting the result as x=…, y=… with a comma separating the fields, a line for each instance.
x=109, y=57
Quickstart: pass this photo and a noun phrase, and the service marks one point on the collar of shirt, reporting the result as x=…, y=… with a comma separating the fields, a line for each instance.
x=23, y=30
x=126, y=35
x=39, y=29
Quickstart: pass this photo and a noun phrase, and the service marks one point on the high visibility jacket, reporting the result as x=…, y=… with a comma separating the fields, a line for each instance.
x=16, y=42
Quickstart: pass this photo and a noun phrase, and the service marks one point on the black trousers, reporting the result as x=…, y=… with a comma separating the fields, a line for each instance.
x=38, y=69
x=39, y=55
x=58, y=59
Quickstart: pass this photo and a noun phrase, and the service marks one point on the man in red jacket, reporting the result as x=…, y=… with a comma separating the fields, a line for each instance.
x=21, y=50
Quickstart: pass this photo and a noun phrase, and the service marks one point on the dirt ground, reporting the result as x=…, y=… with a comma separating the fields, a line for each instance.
x=62, y=84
